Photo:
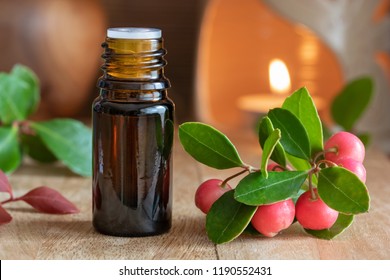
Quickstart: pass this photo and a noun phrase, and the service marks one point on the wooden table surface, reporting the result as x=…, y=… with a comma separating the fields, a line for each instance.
x=32, y=235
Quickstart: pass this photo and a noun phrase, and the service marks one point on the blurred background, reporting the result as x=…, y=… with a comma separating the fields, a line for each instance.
x=220, y=53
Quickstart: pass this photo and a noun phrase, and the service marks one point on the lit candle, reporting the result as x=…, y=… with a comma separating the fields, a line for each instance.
x=280, y=85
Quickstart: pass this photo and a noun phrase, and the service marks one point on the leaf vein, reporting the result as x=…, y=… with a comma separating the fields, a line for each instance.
x=341, y=191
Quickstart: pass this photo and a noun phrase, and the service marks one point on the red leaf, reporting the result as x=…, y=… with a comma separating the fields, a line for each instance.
x=5, y=186
x=5, y=217
x=49, y=201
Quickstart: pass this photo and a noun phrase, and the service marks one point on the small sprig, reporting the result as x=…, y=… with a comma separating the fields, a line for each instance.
x=43, y=199
x=67, y=140
x=291, y=136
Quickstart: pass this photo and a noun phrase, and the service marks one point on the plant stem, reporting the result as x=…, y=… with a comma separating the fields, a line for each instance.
x=8, y=200
x=313, y=194
x=233, y=176
x=327, y=163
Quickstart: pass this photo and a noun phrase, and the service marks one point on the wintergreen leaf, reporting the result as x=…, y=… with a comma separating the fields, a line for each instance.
x=365, y=138
x=342, y=223
x=227, y=218
x=294, y=136
x=346, y=113
x=300, y=165
x=269, y=147
x=18, y=94
x=265, y=128
x=302, y=106
x=342, y=190
x=208, y=145
x=250, y=230
x=70, y=141
x=36, y=149
x=10, y=154
x=256, y=190
x=26, y=74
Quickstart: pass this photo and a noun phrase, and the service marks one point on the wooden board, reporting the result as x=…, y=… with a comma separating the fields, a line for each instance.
x=32, y=235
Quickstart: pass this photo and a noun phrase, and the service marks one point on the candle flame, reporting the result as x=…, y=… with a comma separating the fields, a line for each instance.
x=279, y=77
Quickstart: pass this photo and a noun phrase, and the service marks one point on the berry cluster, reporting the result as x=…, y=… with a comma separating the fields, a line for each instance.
x=342, y=149
x=301, y=176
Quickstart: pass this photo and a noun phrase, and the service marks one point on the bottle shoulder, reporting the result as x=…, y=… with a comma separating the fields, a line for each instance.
x=103, y=105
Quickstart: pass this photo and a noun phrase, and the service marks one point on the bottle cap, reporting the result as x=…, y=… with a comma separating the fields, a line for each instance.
x=133, y=33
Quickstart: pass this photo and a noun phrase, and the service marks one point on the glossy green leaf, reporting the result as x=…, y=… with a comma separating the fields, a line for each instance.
x=254, y=189
x=344, y=111
x=342, y=223
x=70, y=141
x=227, y=218
x=208, y=145
x=18, y=94
x=269, y=146
x=342, y=190
x=300, y=165
x=302, y=106
x=250, y=230
x=10, y=154
x=36, y=149
x=295, y=140
x=265, y=128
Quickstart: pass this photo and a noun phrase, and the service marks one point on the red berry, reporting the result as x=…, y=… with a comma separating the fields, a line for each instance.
x=347, y=145
x=276, y=167
x=208, y=192
x=353, y=166
x=270, y=219
x=314, y=214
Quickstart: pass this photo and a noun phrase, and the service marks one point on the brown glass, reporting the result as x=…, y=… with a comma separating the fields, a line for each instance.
x=132, y=141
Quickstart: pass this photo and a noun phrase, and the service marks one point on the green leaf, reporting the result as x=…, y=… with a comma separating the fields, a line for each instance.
x=250, y=230
x=342, y=223
x=208, y=146
x=26, y=74
x=342, y=190
x=256, y=190
x=346, y=113
x=265, y=128
x=300, y=165
x=10, y=154
x=294, y=136
x=70, y=141
x=36, y=149
x=269, y=147
x=227, y=218
x=302, y=106
x=18, y=94
x=365, y=138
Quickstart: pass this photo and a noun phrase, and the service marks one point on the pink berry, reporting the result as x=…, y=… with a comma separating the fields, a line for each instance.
x=270, y=219
x=272, y=166
x=346, y=145
x=208, y=192
x=353, y=166
x=314, y=214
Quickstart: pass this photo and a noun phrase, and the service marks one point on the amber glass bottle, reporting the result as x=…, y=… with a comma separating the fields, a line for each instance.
x=132, y=136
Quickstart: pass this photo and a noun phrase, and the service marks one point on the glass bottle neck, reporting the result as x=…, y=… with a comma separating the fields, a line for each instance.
x=133, y=64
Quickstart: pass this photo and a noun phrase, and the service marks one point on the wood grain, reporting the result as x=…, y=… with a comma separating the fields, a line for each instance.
x=32, y=235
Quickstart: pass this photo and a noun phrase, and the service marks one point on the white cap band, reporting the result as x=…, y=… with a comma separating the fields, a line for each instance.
x=133, y=33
